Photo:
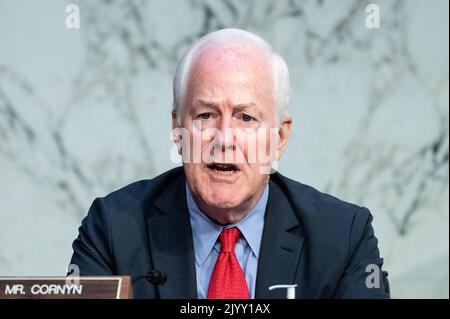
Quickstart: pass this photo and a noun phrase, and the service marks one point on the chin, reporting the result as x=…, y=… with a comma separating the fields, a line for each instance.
x=222, y=198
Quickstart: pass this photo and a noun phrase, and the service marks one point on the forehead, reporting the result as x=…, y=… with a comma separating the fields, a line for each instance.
x=231, y=70
x=224, y=55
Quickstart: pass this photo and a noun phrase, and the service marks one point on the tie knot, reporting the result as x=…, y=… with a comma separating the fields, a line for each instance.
x=228, y=238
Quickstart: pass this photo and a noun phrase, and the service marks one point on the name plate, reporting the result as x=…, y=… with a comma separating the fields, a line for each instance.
x=113, y=287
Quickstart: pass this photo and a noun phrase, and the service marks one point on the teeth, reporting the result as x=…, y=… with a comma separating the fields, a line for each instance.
x=229, y=172
x=225, y=166
x=223, y=169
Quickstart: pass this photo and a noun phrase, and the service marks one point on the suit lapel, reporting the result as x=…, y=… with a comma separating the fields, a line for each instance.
x=171, y=244
x=172, y=248
x=281, y=247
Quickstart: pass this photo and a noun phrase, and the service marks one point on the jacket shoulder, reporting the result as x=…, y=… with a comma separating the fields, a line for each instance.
x=137, y=196
x=301, y=194
x=319, y=213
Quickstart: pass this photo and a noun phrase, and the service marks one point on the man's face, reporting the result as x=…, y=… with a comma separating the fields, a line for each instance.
x=229, y=107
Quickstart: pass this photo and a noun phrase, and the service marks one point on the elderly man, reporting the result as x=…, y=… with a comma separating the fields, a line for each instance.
x=225, y=225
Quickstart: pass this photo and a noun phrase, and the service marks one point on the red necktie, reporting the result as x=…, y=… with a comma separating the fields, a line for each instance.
x=227, y=279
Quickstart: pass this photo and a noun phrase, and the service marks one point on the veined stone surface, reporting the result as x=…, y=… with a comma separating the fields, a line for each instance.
x=86, y=111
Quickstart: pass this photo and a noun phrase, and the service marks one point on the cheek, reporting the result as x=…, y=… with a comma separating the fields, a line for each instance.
x=195, y=173
x=258, y=147
x=252, y=180
x=194, y=143
x=189, y=171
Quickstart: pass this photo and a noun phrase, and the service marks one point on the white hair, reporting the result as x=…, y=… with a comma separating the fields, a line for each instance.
x=230, y=37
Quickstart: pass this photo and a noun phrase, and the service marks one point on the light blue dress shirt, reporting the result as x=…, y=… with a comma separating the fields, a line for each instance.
x=206, y=233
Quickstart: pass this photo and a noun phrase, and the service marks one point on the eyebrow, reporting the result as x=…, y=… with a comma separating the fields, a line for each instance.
x=235, y=106
x=207, y=104
x=240, y=106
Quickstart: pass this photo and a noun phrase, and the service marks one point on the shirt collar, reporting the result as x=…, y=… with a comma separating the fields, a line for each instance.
x=205, y=231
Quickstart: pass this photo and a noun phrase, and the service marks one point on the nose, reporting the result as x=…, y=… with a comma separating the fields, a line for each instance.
x=226, y=137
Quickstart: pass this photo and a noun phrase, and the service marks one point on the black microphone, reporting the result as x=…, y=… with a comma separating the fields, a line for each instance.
x=155, y=277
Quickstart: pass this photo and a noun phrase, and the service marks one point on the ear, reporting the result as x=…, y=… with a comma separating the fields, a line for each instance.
x=283, y=135
x=174, y=120
x=175, y=129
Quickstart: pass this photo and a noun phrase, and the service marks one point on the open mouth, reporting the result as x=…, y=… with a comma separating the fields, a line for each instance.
x=223, y=169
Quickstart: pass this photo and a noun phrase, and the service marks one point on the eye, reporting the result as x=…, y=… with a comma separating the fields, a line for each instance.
x=246, y=118
x=205, y=116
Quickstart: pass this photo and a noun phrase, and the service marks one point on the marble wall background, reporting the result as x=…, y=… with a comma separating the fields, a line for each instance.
x=86, y=111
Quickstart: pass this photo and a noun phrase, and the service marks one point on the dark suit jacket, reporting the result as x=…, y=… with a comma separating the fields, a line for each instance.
x=312, y=239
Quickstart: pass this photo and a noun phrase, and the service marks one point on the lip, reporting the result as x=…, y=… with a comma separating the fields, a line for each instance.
x=224, y=178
